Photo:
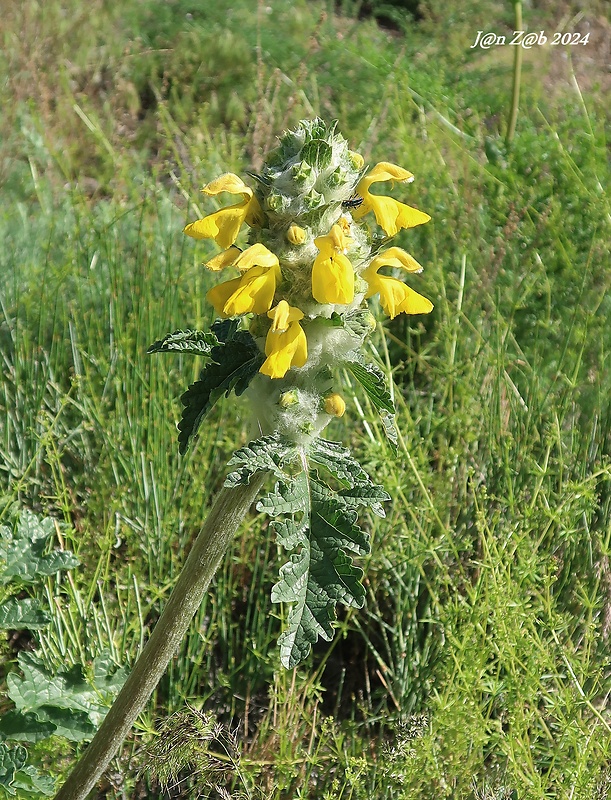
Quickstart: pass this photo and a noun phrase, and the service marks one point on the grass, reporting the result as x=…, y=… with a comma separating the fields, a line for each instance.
x=479, y=667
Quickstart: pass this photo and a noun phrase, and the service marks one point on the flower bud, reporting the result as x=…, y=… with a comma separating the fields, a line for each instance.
x=296, y=235
x=288, y=399
x=335, y=405
x=357, y=159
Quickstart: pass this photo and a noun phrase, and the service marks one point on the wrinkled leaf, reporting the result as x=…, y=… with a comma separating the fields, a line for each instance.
x=269, y=454
x=233, y=365
x=318, y=523
x=22, y=552
x=198, y=342
x=12, y=759
x=33, y=784
x=18, y=614
x=49, y=695
x=24, y=727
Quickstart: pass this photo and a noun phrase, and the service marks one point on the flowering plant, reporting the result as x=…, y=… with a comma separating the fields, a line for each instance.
x=292, y=317
x=295, y=314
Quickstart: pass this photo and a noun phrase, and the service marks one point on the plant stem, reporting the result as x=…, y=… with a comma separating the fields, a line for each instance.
x=517, y=72
x=210, y=546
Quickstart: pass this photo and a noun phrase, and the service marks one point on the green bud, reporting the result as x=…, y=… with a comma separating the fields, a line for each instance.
x=289, y=399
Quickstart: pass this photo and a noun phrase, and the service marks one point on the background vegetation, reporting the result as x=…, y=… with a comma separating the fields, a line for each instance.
x=480, y=666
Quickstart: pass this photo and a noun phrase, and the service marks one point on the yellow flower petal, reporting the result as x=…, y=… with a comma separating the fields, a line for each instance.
x=332, y=272
x=390, y=214
x=283, y=315
x=393, y=257
x=229, y=182
x=257, y=256
x=219, y=295
x=384, y=171
x=224, y=225
x=333, y=279
x=397, y=298
x=225, y=259
x=284, y=350
x=255, y=293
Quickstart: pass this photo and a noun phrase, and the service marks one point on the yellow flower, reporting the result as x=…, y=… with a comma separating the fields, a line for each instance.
x=391, y=215
x=224, y=225
x=395, y=296
x=286, y=345
x=335, y=404
x=332, y=273
x=254, y=291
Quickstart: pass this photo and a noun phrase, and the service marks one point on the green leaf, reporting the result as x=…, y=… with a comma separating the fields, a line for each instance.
x=321, y=574
x=33, y=784
x=361, y=494
x=75, y=726
x=18, y=614
x=338, y=460
x=232, y=367
x=198, y=342
x=11, y=760
x=317, y=153
x=72, y=702
x=269, y=453
x=24, y=727
x=22, y=557
x=373, y=381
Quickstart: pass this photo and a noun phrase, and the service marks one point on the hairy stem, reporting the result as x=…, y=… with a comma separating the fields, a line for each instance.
x=210, y=546
x=517, y=72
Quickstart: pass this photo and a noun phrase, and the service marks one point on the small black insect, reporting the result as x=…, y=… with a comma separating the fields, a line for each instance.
x=353, y=202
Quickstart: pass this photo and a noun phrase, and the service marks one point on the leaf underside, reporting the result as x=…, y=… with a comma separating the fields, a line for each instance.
x=373, y=381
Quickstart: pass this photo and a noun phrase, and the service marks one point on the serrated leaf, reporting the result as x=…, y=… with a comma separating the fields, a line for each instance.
x=11, y=760
x=50, y=696
x=321, y=574
x=361, y=494
x=233, y=366
x=390, y=429
x=22, y=556
x=76, y=726
x=19, y=614
x=337, y=460
x=268, y=454
x=33, y=784
x=24, y=727
x=225, y=329
x=198, y=342
x=373, y=381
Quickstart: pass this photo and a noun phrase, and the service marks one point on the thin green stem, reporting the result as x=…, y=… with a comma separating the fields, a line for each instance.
x=210, y=546
x=517, y=73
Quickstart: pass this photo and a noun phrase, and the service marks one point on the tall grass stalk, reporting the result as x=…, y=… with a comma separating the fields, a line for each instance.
x=517, y=75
